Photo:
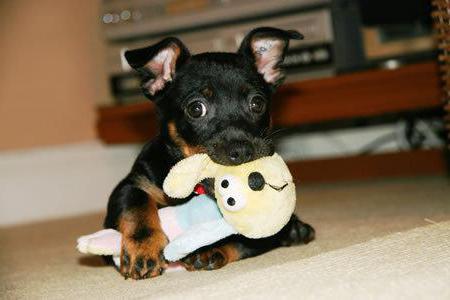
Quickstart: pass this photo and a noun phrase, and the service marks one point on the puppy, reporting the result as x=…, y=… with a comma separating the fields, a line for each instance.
x=214, y=103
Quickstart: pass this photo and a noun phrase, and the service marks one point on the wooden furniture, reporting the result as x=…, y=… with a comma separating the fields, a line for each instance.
x=363, y=94
x=441, y=17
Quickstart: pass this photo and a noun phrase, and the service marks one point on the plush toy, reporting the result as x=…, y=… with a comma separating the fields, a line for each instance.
x=255, y=199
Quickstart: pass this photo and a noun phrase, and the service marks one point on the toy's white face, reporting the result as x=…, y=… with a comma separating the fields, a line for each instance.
x=231, y=191
x=256, y=203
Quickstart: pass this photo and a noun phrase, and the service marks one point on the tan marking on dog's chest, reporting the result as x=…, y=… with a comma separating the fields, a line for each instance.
x=154, y=192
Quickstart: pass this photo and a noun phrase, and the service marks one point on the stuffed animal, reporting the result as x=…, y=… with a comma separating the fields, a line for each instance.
x=255, y=199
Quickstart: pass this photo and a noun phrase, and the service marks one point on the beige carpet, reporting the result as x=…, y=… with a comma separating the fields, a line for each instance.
x=358, y=253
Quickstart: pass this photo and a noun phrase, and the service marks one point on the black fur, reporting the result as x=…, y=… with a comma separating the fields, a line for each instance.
x=230, y=132
x=142, y=233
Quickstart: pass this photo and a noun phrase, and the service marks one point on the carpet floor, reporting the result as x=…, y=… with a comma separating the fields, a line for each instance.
x=382, y=239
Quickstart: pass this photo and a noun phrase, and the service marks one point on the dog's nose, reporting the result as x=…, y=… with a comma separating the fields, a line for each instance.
x=240, y=152
x=256, y=181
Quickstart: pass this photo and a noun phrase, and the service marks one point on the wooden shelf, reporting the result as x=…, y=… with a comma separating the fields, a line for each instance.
x=362, y=94
x=127, y=124
x=398, y=164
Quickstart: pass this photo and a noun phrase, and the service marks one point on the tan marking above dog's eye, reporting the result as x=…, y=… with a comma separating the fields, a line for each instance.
x=207, y=92
x=244, y=89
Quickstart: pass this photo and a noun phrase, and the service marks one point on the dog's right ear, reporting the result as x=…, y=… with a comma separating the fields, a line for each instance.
x=157, y=64
x=266, y=47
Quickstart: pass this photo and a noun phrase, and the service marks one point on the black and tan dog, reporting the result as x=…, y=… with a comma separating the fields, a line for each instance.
x=216, y=103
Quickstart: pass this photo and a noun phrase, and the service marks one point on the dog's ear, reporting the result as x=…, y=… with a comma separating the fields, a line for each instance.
x=157, y=63
x=266, y=47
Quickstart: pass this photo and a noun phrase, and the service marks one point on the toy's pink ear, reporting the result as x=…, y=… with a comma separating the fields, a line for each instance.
x=185, y=175
x=103, y=242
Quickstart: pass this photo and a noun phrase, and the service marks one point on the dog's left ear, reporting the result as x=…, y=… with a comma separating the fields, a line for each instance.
x=266, y=47
x=157, y=63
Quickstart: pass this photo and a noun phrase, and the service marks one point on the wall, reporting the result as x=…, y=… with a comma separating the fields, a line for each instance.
x=51, y=77
x=51, y=72
x=54, y=182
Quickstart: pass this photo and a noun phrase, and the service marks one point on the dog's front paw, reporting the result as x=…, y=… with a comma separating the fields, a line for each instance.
x=206, y=259
x=143, y=259
x=296, y=232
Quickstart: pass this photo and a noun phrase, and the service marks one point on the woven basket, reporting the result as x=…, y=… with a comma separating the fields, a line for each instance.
x=441, y=18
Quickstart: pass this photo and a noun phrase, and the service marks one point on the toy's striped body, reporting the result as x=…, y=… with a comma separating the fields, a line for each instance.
x=188, y=227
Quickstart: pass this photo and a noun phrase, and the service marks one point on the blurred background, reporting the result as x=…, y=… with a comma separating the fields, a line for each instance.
x=362, y=99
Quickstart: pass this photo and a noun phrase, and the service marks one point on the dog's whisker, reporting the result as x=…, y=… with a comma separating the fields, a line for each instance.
x=275, y=132
x=264, y=132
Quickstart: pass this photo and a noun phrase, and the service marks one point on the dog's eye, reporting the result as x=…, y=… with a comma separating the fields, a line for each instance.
x=196, y=109
x=257, y=104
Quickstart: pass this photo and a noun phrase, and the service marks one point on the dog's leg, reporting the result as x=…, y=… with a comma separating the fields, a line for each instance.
x=295, y=233
x=238, y=247
x=135, y=214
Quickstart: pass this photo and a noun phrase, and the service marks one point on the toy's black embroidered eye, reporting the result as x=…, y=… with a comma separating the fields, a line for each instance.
x=231, y=192
x=257, y=104
x=231, y=201
x=196, y=109
x=256, y=181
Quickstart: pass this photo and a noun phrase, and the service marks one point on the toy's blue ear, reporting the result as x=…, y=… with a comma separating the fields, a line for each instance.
x=183, y=177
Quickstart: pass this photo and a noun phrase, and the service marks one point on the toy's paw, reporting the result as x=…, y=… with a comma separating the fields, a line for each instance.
x=206, y=259
x=296, y=232
x=143, y=259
